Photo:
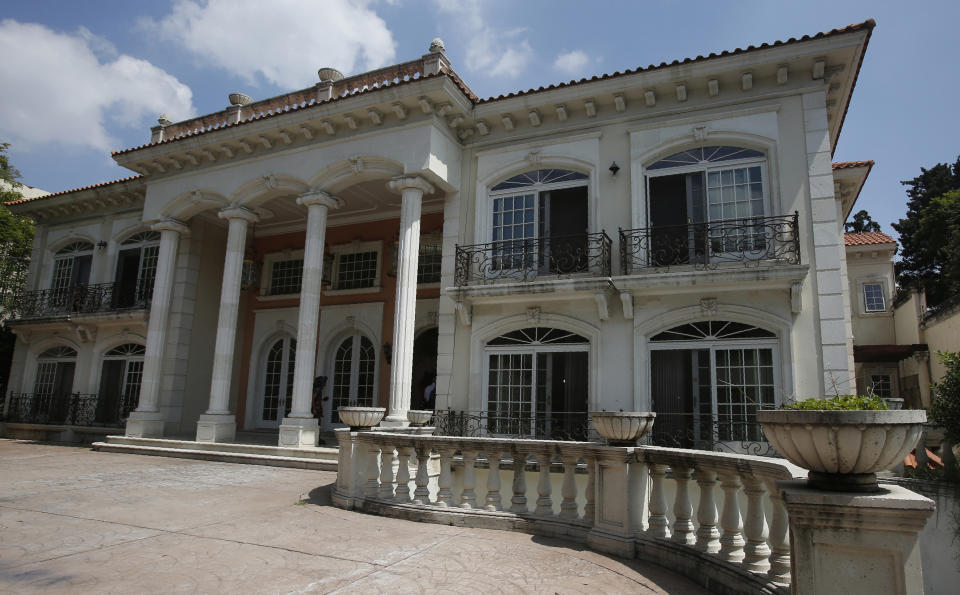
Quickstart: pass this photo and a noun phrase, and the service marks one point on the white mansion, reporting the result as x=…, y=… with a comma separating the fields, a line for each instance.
x=666, y=238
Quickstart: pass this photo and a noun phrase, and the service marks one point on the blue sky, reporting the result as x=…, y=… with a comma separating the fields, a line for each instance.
x=83, y=78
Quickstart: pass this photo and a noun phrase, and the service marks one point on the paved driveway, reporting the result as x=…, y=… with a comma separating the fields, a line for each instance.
x=78, y=521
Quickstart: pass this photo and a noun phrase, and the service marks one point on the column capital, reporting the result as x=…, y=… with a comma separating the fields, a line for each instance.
x=170, y=224
x=319, y=197
x=401, y=183
x=239, y=213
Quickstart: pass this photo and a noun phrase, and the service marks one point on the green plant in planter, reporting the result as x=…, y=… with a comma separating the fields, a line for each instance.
x=841, y=403
x=945, y=408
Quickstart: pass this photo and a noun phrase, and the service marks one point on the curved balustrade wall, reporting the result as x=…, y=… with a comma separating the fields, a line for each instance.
x=715, y=517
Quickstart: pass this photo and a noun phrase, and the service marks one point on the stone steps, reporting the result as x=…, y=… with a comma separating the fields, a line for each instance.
x=319, y=459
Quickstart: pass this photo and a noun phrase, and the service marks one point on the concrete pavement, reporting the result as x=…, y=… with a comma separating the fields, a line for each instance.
x=78, y=521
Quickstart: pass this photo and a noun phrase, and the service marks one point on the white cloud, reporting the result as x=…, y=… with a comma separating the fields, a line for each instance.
x=489, y=49
x=283, y=41
x=70, y=88
x=572, y=63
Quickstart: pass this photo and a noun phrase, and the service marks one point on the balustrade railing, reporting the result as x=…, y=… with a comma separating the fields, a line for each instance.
x=719, y=508
x=707, y=245
x=71, y=409
x=80, y=299
x=552, y=425
x=530, y=258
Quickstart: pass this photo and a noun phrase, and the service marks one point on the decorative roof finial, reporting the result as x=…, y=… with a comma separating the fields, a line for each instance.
x=164, y=120
x=437, y=47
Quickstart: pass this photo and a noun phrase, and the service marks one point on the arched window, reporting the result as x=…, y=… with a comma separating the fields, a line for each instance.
x=137, y=269
x=278, y=381
x=50, y=402
x=536, y=383
x=120, y=379
x=354, y=366
x=706, y=205
x=539, y=213
x=709, y=379
x=71, y=266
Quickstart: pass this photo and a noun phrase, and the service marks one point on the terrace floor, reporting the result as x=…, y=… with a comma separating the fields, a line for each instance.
x=78, y=521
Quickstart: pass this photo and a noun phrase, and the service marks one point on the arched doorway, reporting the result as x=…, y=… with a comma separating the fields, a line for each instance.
x=536, y=384
x=424, y=367
x=52, y=386
x=708, y=380
x=277, y=382
x=354, y=374
x=120, y=379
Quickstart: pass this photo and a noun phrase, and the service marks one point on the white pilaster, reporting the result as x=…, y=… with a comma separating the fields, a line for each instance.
x=300, y=428
x=147, y=420
x=218, y=424
x=412, y=189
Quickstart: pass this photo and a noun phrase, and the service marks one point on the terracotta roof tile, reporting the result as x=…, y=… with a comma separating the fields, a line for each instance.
x=850, y=164
x=72, y=190
x=866, y=239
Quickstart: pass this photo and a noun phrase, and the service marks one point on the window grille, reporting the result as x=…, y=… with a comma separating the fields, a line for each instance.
x=286, y=277
x=873, y=297
x=356, y=270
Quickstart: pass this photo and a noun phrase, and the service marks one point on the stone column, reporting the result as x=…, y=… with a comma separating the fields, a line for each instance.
x=300, y=429
x=412, y=188
x=218, y=424
x=147, y=420
x=844, y=542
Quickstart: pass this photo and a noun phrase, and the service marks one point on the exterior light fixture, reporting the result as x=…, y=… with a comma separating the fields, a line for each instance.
x=614, y=168
x=101, y=244
x=250, y=273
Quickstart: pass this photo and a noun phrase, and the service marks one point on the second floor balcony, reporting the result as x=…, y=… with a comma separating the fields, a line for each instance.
x=99, y=298
x=531, y=259
x=750, y=241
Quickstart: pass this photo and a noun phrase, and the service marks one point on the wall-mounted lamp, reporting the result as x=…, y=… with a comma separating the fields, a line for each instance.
x=614, y=168
x=388, y=353
x=101, y=245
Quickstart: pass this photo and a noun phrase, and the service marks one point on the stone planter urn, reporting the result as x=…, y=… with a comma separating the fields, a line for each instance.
x=419, y=417
x=361, y=418
x=623, y=428
x=843, y=450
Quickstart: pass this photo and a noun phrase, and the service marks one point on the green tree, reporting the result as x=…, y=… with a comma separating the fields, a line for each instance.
x=921, y=257
x=945, y=408
x=16, y=244
x=861, y=223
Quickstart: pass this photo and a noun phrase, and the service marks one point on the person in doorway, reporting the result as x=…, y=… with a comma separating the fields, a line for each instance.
x=430, y=392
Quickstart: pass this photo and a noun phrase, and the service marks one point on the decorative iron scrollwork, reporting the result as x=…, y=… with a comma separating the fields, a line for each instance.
x=81, y=299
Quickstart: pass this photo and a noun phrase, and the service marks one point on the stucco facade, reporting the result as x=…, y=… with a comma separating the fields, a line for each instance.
x=668, y=238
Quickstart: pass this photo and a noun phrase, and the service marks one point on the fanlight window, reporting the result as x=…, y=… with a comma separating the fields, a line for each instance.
x=538, y=336
x=127, y=350
x=705, y=155
x=712, y=329
x=58, y=352
x=142, y=237
x=75, y=248
x=539, y=176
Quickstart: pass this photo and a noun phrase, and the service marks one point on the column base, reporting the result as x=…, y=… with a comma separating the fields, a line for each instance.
x=395, y=421
x=144, y=424
x=610, y=543
x=299, y=432
x=217, y=427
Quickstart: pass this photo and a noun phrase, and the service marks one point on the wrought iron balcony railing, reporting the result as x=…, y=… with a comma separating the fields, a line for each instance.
x=751, y=241
x=527, y=259
x=555, y=425
x=71, y=409
x=80, y=299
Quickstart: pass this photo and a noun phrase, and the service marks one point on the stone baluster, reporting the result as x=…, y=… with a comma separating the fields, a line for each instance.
x=779, y=540
x=683, y=529
x=657, y=524
x=492, y=499
x=468, y=497
x=518, y=503
x=590, y=492
x=756, y=552
x=731, y=541
x=568, y=506
x=386, y=472
x=544, y=489
x=372, y=487
x=708, y=536
x=403, y=475
x=445, y=481
x=421, y=495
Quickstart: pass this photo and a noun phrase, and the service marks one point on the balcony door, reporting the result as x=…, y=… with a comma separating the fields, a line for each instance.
x=540, y=221
x=52, y=386
x=137, y=269
x=71, y=274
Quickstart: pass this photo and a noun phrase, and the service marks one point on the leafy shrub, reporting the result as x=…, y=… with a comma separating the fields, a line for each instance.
x=841, y=402
x=945, y=408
